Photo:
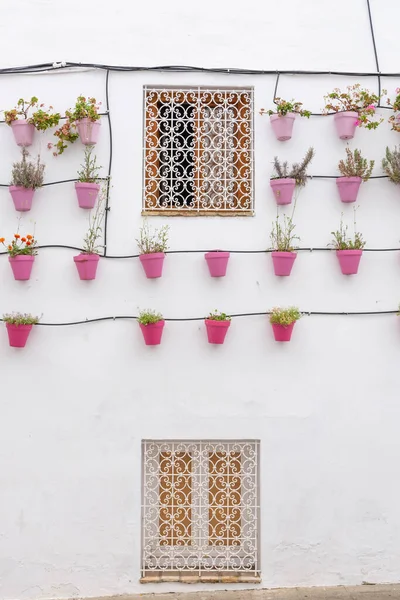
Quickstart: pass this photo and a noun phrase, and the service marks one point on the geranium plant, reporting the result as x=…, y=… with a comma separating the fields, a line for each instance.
x=218, y=316
x=394, y=119
x=391, y=164
x=34, y=113
x=20, y=245
x=85, y=108
x=284, y=316
x=18, y=318
x=283, y=107
x=151, y=242
x=355, y=99
x=27, y=174
x=356, y=165
x=298, y=171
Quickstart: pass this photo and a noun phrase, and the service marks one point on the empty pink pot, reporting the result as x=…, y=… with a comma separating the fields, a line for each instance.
x=88, y=131
x=22, y=266
x=18, y=334
x=346, y=123
x=349, y=261
x=283, y=189
x=87, y=194
x=153, y=264
x=87, y=265
x=283, y=262
x=216, y=331
x=22, y=197
x=217, y=263
x=283, y=126
x=23, y=132
x=152, y=333
x=282, y=333
x=348, y=188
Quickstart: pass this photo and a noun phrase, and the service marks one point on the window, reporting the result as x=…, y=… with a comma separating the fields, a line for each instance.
x=198, y=151
x=200, y=507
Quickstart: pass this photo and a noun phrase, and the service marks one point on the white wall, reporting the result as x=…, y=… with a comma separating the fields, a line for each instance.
x=77, y=401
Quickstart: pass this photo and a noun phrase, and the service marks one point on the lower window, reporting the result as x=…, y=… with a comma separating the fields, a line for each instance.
x=200, y=507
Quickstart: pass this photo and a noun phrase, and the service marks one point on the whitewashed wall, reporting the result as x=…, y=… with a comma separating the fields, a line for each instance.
x=77, y=401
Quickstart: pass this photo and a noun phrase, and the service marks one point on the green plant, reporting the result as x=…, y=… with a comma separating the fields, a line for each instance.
x=284, y=316
x=150, y=242
x=218, y=316
x=283, y=107
x=90, y=241
x=41, y=118
x=391, y=164
x=394, y=119
x=21, y=245
x=282, y=236
x=355, y=165
x=356, y=99
x=27, y=174
x=297, y=172
x=341, y=241
x=147, y=317
x=67, y=134
x=89, y=169
x=18, y=318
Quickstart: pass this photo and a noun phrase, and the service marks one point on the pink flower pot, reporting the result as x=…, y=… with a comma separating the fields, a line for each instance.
x=349, y=261
x=87, y=194
x=217, y=263
x=283, y=126
x=21, y=266
x=283, y=190
x=153, y=264
x=87, y=265
x=216, y=330
x=348, y=188
x=152, y=333
x=22, y=197
x=283, y=262
x=346, y=123
x=18, y=334
x=23, y=132
x=282, y=333
x=88, y=131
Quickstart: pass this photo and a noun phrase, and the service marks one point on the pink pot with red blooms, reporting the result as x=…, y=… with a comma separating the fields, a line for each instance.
x=87, y=193
x=348, y=188
x=283, y=126
x=346, y=123
x=283, y=262
x=152, y=332
x=282, y=333
x=23, y=132
x=349, y=261
x=152, y=264
x=217, y=262
x=87, y=265
x=88, y=131
x=216, y=330
x=283, y=189
x=21, y=266
x=18, y=334
x=22, y=197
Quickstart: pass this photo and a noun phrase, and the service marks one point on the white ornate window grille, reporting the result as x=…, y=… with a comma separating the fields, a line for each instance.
x=200, y=506
x=198, y=151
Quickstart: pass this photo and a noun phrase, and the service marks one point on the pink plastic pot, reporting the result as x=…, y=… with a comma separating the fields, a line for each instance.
x=283, y=190
x=217, y=263
x=282, y=333
x=23, y=132
x=87, y=265
x=348, y=188
x=346, y=123
x=153, y=264
x=283, y=126
x=21, y=266
x=216, y=331
x=152, y=333
x=283, y=262
x=18, y=334
x=87, y=194
x=22, y=197
x=349, y=261
x=88, y=131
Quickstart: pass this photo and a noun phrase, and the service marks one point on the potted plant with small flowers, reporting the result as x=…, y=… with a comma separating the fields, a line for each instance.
x=282, y=321
x=151, y=325
x=26, y=178
x=283, y=246
x=85, y=118
x=354, y=108
x=88, y=260
x=87, y=187
x=354, y=170
x=285, y=180
x=152, y=247
x=19, y=326
x=348, y=250
x=23, y=124
x=391, y=164
x=21, y=255
x=217, y=325
x=394, y=119
x=282, y=118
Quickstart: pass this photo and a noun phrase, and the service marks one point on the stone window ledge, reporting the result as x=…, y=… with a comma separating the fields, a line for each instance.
x=193, y=577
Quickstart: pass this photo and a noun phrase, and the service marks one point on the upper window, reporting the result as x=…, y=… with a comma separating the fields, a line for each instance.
x=198, y=151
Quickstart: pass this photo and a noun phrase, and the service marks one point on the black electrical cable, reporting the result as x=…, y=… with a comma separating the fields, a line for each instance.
x=374, y=46
x=107, y=207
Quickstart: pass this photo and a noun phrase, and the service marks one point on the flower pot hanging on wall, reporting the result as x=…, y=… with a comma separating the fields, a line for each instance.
x=87, y=265
x=88, y=131
x=282, y=333
x=346, y=123
x=283, y=126
x=217, y=325
x=217, y=262
x=22, y=197
x=348, y=188
x=349, y=261
x=153, y=264
x=23, y=132
x=283, y=262
x=152, y=332
x=21, y=266
x=283, y=190
x=87, y=194
x=18, y=334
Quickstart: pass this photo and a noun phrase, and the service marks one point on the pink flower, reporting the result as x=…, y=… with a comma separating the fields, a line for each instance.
x=49, y=145
x=371, y=107
x=358, y=122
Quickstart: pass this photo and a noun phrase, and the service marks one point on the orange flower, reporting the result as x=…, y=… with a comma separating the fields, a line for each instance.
x=23, y=239
x=28, y=243
x=17, y=236
x=28, y=237
x=2, y=240
x=10, y=247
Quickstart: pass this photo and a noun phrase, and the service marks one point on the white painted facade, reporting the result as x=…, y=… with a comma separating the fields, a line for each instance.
x=77, y=401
